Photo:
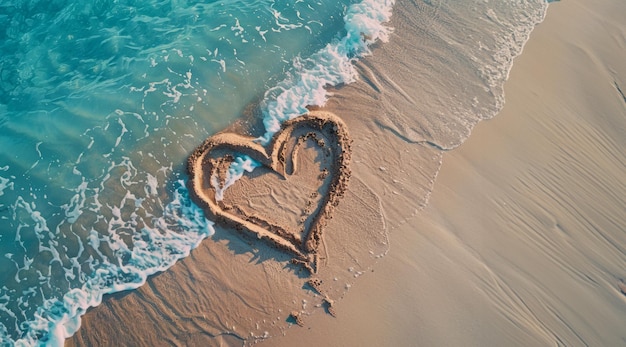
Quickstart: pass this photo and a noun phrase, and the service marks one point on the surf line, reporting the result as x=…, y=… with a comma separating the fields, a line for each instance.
x=365, y=24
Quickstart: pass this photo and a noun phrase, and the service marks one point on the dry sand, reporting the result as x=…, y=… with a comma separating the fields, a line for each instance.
x=522, y=243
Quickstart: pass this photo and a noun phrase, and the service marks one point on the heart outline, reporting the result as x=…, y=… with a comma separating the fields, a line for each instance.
x=272, y=157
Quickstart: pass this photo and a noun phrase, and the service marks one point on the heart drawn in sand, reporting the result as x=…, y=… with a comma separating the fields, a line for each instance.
x=326, y=137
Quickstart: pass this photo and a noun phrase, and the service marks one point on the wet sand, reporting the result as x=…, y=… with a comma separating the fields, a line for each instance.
x=521, y=241
x=313, y=188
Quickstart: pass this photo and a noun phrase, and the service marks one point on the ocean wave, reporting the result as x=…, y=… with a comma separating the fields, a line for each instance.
x=307, y=83
x=97, y=218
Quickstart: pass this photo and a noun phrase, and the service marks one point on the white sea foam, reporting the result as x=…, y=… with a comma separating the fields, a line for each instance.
x=5, y=183
x=331, y=66
x=238, y=167
x=115, y=229
x=157, y=248
x=154, y=249
x=306, y=84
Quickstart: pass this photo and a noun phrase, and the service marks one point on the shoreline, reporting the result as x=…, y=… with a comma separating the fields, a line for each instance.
x=430, y=289
x=463, y=264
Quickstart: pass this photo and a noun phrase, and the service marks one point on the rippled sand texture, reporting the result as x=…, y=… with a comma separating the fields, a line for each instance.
x=236, y=288
x=215, y=295
x=523, y=241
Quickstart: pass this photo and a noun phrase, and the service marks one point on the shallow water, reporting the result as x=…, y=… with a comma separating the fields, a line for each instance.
x=100, y=104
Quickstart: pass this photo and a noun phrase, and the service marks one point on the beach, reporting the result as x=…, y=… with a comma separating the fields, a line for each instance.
x=522, y=242
x=510, y=235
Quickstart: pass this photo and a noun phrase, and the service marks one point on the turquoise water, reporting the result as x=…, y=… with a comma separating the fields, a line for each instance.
x=100, y=104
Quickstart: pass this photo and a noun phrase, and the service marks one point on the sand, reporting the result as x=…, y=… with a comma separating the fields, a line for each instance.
x=301, y=234
x=523, y=240
x=514, y=238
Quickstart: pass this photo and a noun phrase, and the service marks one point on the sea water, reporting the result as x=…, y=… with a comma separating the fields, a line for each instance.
x=101, y=102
